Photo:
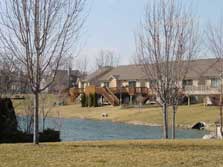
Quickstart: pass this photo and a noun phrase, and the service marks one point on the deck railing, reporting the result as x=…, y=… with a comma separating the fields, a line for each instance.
x=117, y=90
x=201, y=89
x=131, y=90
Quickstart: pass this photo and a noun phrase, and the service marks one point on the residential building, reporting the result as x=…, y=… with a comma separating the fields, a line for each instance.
x=203, y=78
x=65, y=79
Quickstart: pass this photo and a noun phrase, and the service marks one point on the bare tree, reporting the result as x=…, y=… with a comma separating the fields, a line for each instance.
x=46, y=107
x=12, y=78
x=27, y=111
x=215, y=43
x=6, y=77
x=39, y=34
x=165, y=45
x=106, y=58
x=81, y=65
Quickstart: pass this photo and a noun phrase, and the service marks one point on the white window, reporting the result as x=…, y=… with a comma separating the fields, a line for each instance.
x=215, y=83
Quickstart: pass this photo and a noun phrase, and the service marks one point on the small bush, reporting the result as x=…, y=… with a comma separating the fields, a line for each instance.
x=95, y=100
x=15, y=137
x=8, y=120
x=91, y=100
x=83, y=100
x=49, y=135
x=87, y=101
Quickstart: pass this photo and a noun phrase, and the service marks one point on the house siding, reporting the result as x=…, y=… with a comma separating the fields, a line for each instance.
x=113, y=83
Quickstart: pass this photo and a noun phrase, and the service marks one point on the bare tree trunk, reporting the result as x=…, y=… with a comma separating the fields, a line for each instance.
x=165, y=121
x=44, y=121
x=36, y=119
x=221, y=119
x=174, y=122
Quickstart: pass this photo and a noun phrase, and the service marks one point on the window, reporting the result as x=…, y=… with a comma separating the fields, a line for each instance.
x=153, y=83
x=215, y=83
x=132, y=84
x=188, y=82
x=201, y=81
x=106, y=84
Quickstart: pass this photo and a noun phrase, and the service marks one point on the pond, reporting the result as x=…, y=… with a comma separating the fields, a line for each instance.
x=85, y=130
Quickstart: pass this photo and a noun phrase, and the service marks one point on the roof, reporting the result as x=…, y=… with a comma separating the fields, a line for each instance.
x=127, y=72
x=97, y=74
x=208, y=68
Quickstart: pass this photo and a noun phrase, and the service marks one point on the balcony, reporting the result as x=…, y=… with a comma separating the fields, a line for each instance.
x=201, y=90
x=131, y=90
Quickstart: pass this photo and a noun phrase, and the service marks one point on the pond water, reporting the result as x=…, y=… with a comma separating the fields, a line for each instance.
x=85, y=130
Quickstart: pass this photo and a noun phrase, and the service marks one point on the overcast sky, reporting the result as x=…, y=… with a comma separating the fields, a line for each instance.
x=111, y=25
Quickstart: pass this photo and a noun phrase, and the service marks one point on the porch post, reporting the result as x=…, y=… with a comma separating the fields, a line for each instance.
x=130, y=101
x=188, y=98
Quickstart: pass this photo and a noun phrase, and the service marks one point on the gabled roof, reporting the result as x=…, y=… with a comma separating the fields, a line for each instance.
x=208, y=68
x=97, y=74
x=126, y=72
x=204, y=68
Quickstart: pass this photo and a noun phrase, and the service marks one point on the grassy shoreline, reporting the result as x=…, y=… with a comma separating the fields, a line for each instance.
x=140, y=153
x=186, y=116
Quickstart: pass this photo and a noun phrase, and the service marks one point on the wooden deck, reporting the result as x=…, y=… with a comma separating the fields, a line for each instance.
x=110, y=94
x=191, y=90
x=202, y=90
x=128, y=90
x=132, y=91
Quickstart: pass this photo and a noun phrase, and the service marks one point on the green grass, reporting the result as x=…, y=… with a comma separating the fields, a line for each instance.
x=185, y=153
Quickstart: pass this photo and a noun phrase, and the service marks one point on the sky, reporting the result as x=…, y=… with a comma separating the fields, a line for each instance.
x=111, y=25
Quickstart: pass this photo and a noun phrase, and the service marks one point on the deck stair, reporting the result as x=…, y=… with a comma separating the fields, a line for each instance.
x=112, y=94
x=108, y=95
x=74, y=93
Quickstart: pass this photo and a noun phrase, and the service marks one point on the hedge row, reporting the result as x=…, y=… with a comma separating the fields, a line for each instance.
x=48, y=135
x=89, y=101
x=9, y=132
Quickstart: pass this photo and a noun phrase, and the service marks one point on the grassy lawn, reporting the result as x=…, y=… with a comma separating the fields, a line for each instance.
x=186, y=115
x=115, y=154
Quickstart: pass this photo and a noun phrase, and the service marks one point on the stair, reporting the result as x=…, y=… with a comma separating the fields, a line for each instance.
x=113, y=96
x=108, y=95
x=74, y=94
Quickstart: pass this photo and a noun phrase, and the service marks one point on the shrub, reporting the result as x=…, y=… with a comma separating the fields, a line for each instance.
x=83, y=100
x=49, y=135
x=9, y=132
x=15, y=137
x=95, y=100
x=86, y=101
x=8, y=120
x=91, y=100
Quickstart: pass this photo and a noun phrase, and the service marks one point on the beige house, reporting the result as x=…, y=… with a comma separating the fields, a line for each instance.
x=203, y=72
x=203, y=78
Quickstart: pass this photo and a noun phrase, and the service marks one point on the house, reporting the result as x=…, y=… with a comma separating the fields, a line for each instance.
x=130, y=81
x=65, y=79
x=16, y=81
x=13, y=82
